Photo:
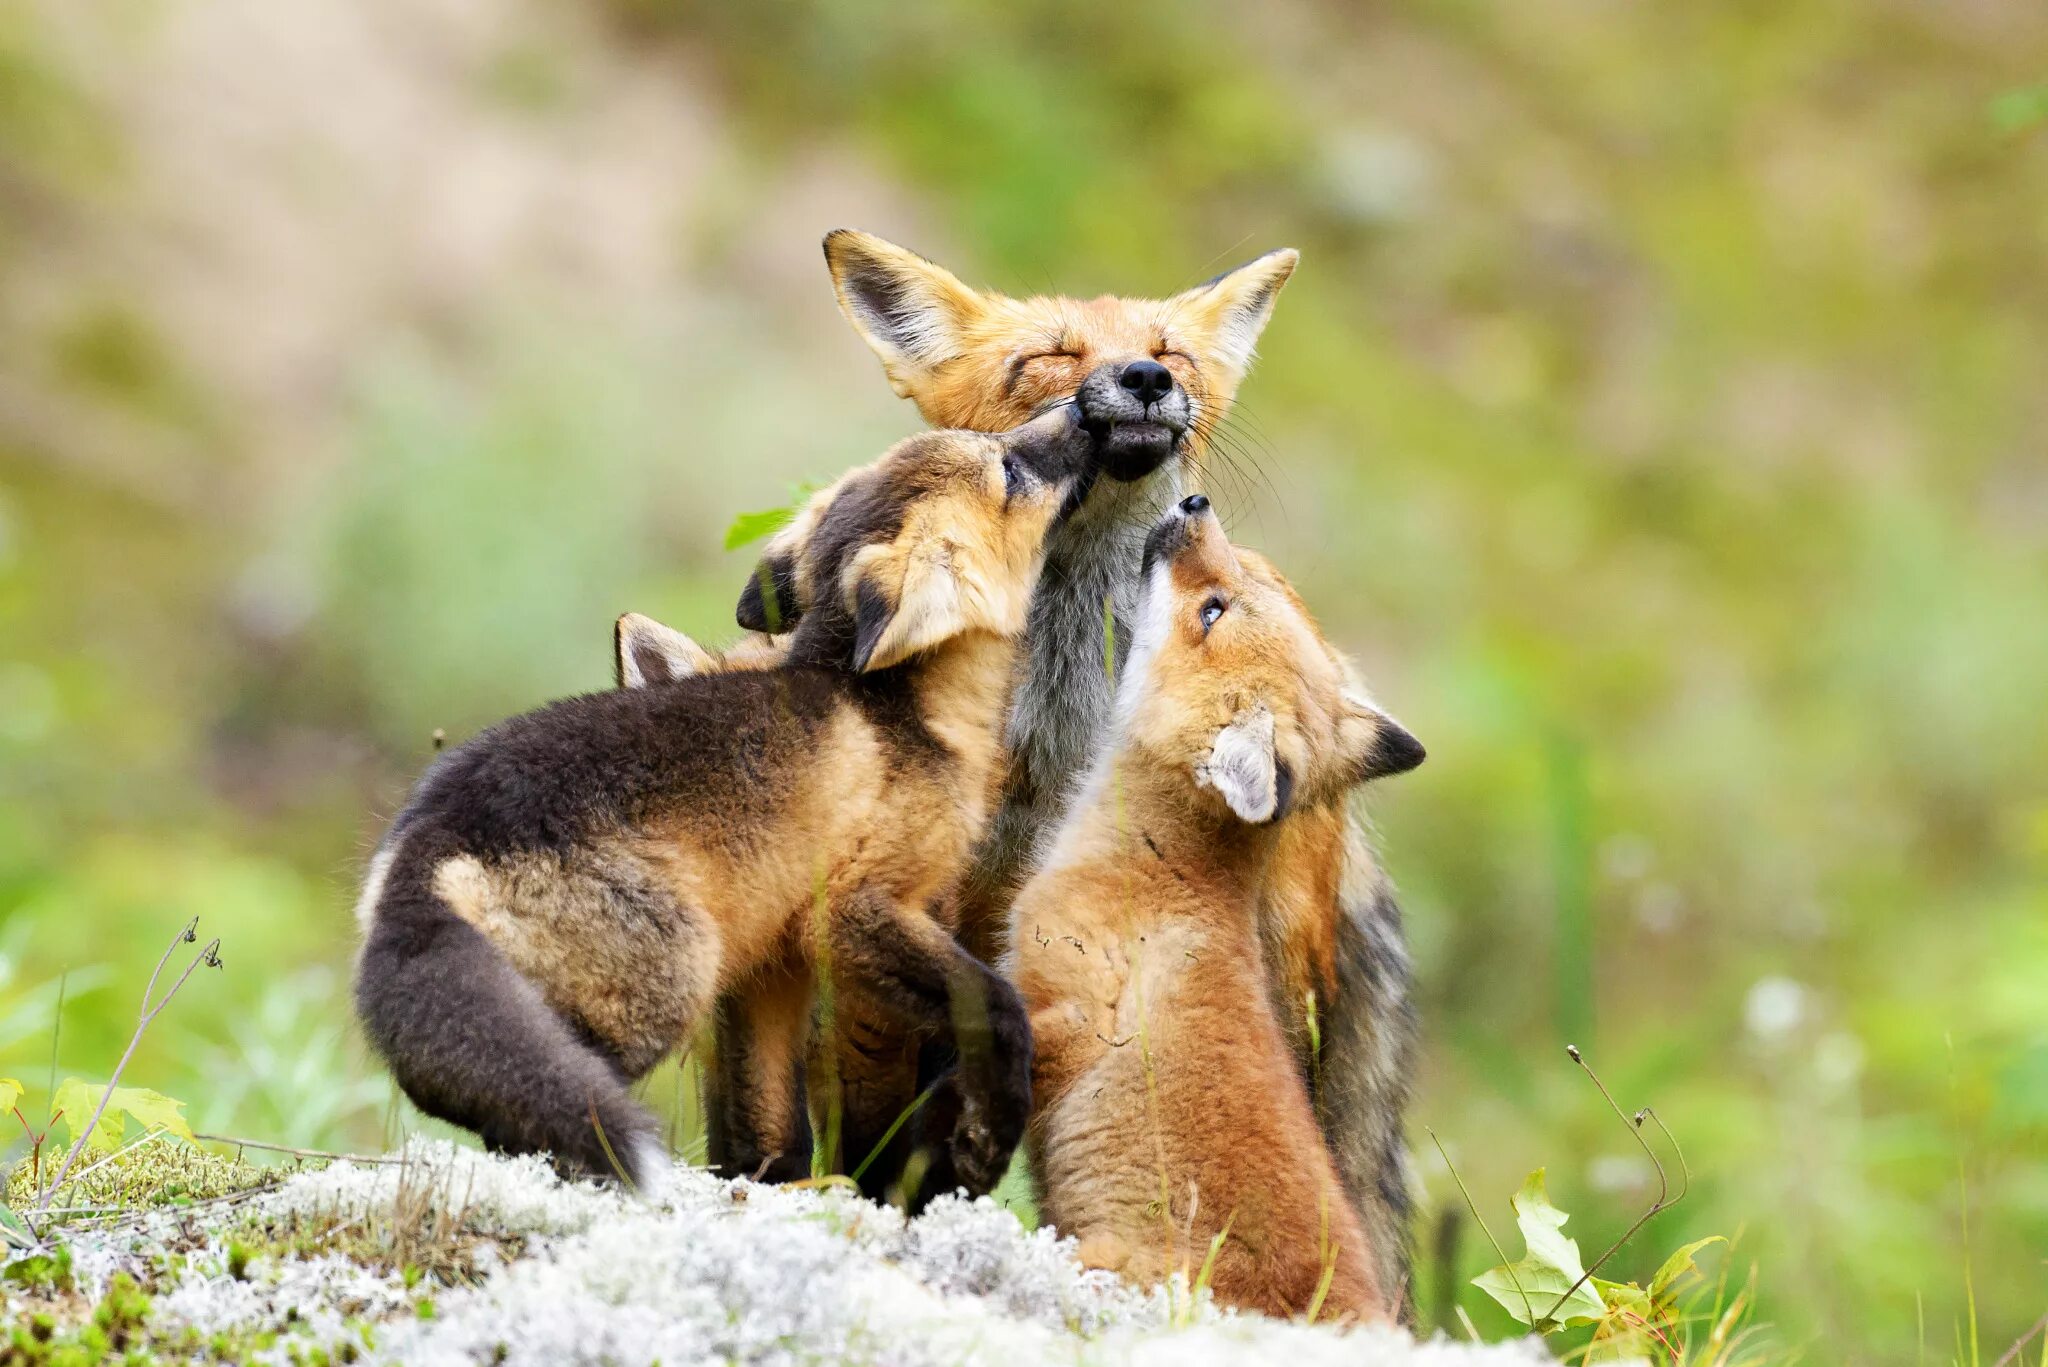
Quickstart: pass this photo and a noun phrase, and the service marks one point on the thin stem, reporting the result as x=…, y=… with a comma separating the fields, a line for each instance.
x=1684, y=1168
x=1329, y=1257
x=1499, y=1252
x=908, y=1111
x=209, y=955
x=1664, y=1199
x=618, y=1168
x=2013, y=1352
x=56, y=1033
x=296, y=1153
x=185, y=937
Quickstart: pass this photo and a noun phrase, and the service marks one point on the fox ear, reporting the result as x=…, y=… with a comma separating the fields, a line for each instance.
x=646, y=652
x=923, y=609
x=1372, y=744
x=911, y=311
x=769, y=603
x=1233, y=309
x=1243, y=767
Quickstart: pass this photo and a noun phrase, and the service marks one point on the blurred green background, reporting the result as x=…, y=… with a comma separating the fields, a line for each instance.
x=1658, y=413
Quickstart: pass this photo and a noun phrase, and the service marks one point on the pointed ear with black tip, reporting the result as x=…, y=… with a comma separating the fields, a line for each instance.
x=769, y=603
x=912, y=312
x=1234, y=308
x=1243, y=768
x=902, y=605
x=1372, y=744
x=646, y=652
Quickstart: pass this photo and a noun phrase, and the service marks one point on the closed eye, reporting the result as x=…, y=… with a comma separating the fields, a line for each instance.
x=1013, y=476
x=1212, y=610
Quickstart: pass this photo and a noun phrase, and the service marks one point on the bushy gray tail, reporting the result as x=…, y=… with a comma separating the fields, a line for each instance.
x=1368, y=1066
x=472, y=1042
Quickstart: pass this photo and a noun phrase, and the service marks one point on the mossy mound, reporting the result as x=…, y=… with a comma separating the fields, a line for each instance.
x=161, y=1172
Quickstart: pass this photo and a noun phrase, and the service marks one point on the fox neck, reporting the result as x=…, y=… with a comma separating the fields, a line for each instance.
x=962, y=690
x=1146, y=817
x=1063, y=701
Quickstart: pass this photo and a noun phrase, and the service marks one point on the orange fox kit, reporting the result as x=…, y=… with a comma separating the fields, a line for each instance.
x=565, y=896
x=1161, y=1067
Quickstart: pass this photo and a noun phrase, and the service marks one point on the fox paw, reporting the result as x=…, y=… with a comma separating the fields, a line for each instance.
x=969, y=1143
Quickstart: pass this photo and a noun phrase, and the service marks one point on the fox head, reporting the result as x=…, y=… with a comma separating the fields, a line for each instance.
x=1153, y=377
x=940, y=538
x=1230, y=682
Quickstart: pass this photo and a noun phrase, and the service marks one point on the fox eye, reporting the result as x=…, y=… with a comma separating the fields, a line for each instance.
x=1211, y=610
x=1012, y=476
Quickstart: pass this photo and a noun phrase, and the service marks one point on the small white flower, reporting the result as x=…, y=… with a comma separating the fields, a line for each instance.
x=1776, y=1007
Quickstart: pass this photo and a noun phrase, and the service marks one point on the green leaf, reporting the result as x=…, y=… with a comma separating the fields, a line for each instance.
x=77, y=1099
x=753, y=526
x=154, y=1110
x=1544, y=1283
x=1623, y=1296
x=1678, y=1264
x=1530, y=1290
x=1620, y=1341
x=1623, y=1334
x=14, y=1230
x=10, y=1092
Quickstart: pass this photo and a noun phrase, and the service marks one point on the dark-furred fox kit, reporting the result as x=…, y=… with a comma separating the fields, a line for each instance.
x=1161, y=1067
x=566, y=895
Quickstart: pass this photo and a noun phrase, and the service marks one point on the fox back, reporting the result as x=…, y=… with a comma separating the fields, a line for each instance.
x=567, y=894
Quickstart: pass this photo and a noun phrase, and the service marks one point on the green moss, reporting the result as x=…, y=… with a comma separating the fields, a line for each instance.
x=162, y=1172
x=47, y=1272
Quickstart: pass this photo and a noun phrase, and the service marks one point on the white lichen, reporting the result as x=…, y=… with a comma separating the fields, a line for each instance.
x=719, y=1272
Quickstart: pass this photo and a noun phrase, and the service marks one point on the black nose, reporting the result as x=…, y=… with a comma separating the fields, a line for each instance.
x=1147, y=380
x=1195, y=503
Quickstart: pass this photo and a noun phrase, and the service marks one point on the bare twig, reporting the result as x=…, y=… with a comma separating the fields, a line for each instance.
x=241, y=1143
x=2021, y=1342
x=1665, y=1200
x=132, y=1216
x=210, y=955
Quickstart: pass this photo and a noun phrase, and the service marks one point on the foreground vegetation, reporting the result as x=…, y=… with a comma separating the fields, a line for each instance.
x=443, y=1255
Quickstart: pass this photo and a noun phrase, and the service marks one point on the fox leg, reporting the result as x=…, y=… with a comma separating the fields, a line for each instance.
x=480, y=1033
x=878, y=1078
x=754, y=1088
x=910, y=966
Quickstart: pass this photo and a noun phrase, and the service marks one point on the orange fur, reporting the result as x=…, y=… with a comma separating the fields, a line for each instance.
x=1167, y=1099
